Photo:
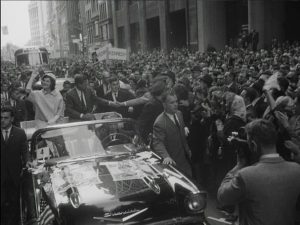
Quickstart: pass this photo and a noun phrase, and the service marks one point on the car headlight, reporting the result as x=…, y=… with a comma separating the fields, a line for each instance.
x=195, y=203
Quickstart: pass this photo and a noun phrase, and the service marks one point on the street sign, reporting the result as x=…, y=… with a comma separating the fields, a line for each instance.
x=117, y=53
x=107, y=52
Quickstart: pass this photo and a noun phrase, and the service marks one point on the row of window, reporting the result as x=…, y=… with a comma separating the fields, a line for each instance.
x=100, y=32
x=35, y=33
x=120, y=3
x=103, y=11
x=99, y=7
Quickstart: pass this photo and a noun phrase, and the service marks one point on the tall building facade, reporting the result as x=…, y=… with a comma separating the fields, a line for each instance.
x=52, y=30
x=76, y=27
x=96, y=23
x=200, y=24
x=37, y=21
x=63, y=28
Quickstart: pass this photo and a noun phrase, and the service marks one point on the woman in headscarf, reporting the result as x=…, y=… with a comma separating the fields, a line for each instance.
x=48, y=102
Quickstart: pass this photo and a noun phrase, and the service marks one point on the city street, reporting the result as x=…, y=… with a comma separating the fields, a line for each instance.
x=127, y=111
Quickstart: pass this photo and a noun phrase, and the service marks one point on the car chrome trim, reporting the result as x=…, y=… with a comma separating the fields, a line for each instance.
x=150, y=182
x=134, y=214
x=124, y=219
x=75, y=199
x=193, y=187
x=180, y=178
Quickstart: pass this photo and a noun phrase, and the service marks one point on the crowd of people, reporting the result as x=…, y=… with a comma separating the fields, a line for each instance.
x=210, y=97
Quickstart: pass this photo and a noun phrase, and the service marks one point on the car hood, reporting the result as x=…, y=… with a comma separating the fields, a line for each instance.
x=117, y=188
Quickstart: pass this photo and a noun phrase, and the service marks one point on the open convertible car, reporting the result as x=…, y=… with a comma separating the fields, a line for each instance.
x=99, y=172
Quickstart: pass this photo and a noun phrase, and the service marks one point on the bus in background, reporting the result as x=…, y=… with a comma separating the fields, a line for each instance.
x=32, y=57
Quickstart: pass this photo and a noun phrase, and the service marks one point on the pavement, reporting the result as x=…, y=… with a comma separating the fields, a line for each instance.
x=215, y=216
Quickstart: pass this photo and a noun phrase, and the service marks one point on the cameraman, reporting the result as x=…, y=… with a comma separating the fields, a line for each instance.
x=266, y=192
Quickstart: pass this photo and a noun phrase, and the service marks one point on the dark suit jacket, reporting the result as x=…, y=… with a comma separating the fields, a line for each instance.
x=266, y=192
x=259, y=108
x=100, y=91
x=30, y=110
x=169, y=141
x=20, y=112
x=123, y=95
x=14, y=155
x=150, y=112
x=73, y=103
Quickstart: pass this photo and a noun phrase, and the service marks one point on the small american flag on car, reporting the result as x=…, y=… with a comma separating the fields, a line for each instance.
x=46, y=215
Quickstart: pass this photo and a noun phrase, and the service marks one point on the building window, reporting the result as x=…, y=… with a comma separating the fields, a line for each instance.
x=104, y=29
x=104, y=11
x=118, y=4
x=96, y=28
x=100, y=32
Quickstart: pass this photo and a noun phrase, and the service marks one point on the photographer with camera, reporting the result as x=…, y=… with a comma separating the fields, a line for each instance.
x=268, y=191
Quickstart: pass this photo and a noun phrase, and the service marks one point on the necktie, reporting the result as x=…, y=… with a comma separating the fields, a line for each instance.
x=114, y=95
x=13, y=103
x=6, y=136
x=176, y=122
x=82, y=101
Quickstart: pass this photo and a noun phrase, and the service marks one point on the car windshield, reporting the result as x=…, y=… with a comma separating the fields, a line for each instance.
x=99, y=139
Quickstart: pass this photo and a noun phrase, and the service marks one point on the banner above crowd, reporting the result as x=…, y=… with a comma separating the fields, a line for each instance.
x=107, y=52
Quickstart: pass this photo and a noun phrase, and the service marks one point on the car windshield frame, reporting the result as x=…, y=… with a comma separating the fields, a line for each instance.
x=84, y=139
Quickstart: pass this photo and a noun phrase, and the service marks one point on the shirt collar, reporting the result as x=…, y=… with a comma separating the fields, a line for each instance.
x=78, y=91
x=170, y=115
x=9, y=129
x=268, y=156
x=54, y=93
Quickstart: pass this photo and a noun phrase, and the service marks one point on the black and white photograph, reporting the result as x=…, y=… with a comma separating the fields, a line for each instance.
x=150, y=112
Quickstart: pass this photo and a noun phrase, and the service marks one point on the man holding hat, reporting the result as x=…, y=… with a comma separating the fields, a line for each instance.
x=48, y=102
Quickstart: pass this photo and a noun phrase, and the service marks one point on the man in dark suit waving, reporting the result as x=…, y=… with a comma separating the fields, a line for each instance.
x=81, y=100
x=169, y=136
x=14, y=156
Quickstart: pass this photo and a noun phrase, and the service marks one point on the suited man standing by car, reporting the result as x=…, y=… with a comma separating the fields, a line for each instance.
x=169, y=136
x=117, y=94
x=81, y=100
x=268, y=191
x=14, y=155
